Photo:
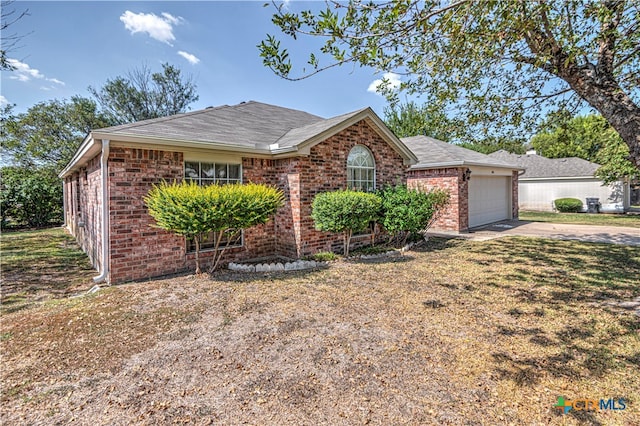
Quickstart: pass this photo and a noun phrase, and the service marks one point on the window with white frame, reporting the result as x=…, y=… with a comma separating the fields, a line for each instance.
x=361, y=169
x=207, y=174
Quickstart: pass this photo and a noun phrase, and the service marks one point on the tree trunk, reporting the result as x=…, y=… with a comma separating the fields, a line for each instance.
x=197, y=241
x=615, y=106
x=346, y=241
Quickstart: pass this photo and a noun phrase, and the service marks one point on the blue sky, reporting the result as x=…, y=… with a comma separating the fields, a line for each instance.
x=68, y=46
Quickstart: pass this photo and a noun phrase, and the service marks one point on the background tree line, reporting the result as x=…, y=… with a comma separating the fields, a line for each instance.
x=39, y=143
x=560, y=134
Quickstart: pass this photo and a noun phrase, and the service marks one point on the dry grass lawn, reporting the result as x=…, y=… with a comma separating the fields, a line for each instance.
x=456, y=332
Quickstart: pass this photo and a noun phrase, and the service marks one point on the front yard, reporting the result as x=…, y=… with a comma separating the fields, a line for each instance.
x=456, y=332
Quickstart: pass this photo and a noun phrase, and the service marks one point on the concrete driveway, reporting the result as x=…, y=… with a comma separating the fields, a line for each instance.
x=597, y=234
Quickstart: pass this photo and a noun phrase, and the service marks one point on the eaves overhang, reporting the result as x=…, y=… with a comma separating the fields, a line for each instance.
x=462, y=163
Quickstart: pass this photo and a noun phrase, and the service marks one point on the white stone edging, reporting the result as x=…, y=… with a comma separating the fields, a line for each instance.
x=300, y=265
x=297, y=265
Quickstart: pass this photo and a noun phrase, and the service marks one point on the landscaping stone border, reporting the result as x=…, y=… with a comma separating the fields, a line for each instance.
x=297, y=265
x=300, y=265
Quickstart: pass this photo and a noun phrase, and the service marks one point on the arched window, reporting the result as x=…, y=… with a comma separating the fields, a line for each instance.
x=361, y=169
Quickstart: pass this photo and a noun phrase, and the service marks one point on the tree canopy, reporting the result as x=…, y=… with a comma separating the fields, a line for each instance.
x=141, y=94
x=49, y=133
x=410, y=119
x=491, y=144
x=589, y=137
x=495, y=63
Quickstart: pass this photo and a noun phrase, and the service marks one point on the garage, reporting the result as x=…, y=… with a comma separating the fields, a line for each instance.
x=480, y=187
x=489, y=199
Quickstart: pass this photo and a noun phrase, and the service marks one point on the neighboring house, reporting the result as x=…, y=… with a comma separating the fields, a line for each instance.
x=547, y=179
x=302, y=154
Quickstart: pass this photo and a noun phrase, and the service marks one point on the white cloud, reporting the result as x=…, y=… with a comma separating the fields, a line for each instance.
x=23, y=72
x=393, y=79
x=157, y=27
x=170, y=18
x=56, y=81
x=193, y=59
x=3, y=101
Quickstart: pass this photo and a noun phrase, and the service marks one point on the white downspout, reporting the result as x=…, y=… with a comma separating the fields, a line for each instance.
x=64, y=203
x=104, y=178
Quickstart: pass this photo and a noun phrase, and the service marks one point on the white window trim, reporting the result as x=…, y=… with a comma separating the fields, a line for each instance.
x=373, y=168
x=199, y=179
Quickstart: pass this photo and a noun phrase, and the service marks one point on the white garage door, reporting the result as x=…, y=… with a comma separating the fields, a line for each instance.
x=489, y=199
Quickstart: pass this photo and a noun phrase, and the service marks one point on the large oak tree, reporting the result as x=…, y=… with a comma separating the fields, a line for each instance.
x=498, y=63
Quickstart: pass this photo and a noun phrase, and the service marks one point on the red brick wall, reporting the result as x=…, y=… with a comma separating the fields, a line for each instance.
x=137, y=249
x=455, y=216
x=140, y=251
x=83, y=211
x=325, y=169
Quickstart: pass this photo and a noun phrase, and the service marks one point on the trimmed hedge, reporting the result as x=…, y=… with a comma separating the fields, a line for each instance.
x=191, y=210
x=344, y=211
x=408, y=212
x=568, y=205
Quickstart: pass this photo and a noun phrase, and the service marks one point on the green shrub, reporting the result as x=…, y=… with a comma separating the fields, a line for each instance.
x=345, y=211
x=30, y=196
x=324, y=256
x=568, y=205
x=191, y=210
x=408, y=212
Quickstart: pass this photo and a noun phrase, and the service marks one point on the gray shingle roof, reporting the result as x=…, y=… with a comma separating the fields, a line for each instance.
x=537, y=166
x=300, y=134
x=250, y=127
x=251, y=124
x=435, y=153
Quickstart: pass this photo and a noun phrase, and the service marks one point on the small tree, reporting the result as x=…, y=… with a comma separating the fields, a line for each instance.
x=191, y=210
x=240, y=206
x=410, y=211
x=344, y=211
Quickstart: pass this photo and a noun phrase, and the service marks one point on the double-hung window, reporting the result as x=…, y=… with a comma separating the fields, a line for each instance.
x=216, y=173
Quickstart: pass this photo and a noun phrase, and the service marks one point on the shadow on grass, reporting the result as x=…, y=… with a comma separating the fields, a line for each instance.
x=43, y=262
x=576, y=271
x=564, y=282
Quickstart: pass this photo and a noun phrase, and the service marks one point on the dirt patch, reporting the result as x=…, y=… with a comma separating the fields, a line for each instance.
x=457, y=333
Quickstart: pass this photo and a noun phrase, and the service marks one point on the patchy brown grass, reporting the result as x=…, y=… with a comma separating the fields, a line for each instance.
x=40, y=265
x=458, y=332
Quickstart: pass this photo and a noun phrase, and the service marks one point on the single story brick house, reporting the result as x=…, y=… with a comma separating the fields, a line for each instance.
x=547, y=179
x=300, y=153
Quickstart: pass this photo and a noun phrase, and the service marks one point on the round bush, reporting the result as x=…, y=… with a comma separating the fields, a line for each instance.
x=568, y=205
